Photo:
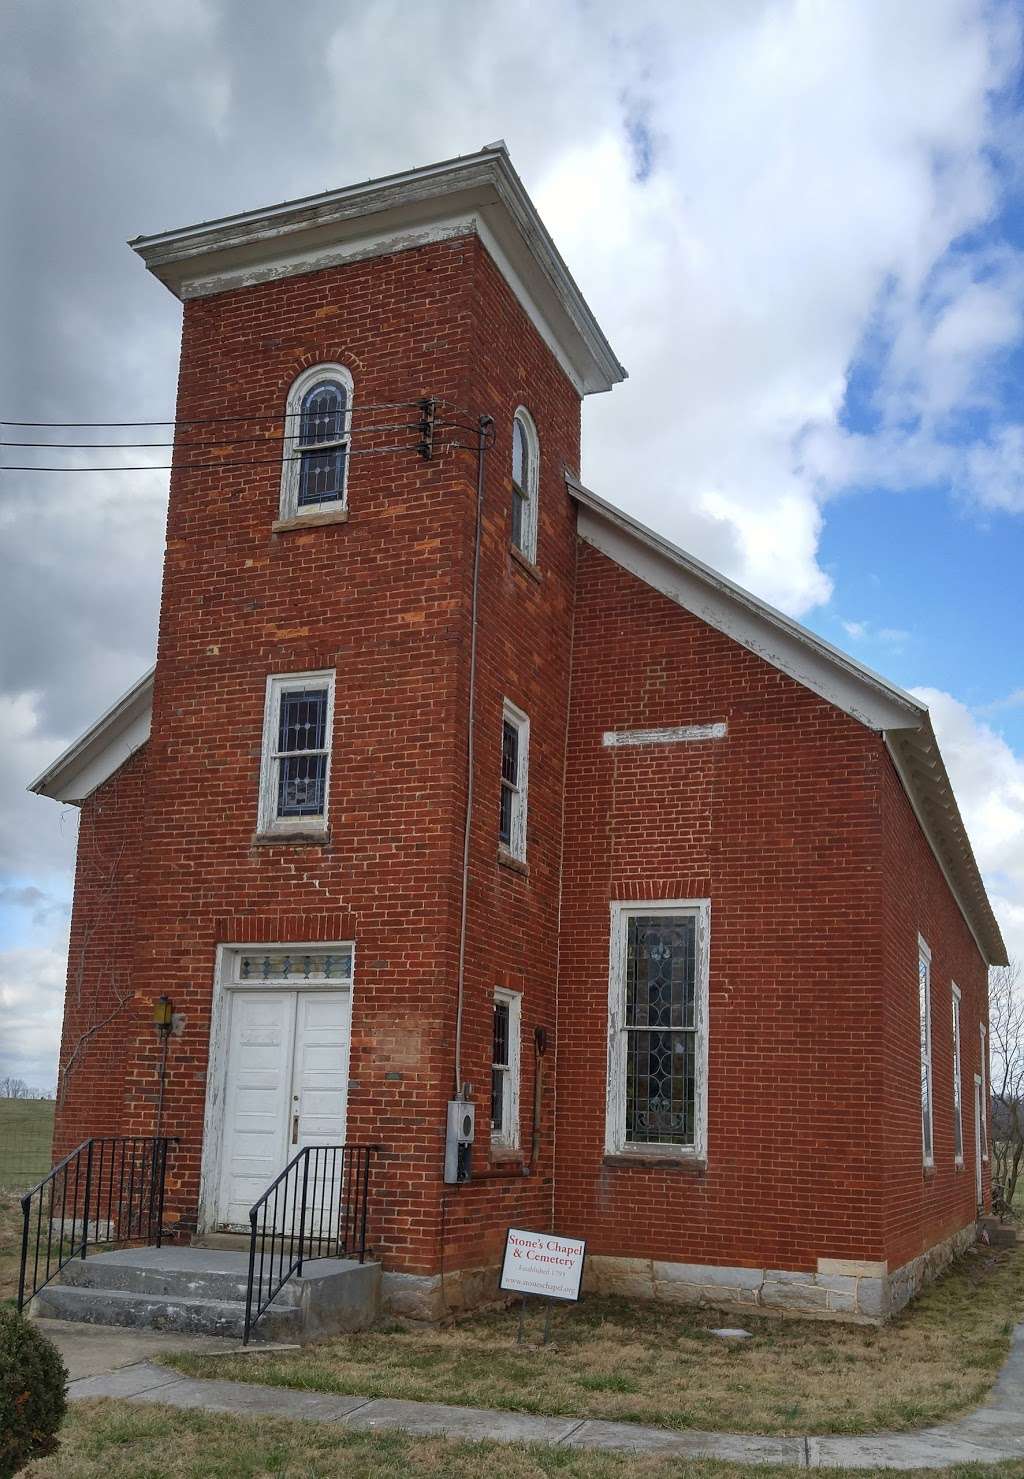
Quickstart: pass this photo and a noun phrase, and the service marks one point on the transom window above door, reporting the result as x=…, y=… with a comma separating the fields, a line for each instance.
x=295, y=965
x=295, y=768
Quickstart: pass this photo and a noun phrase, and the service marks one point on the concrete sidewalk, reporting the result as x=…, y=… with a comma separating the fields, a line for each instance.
x=991, y=1434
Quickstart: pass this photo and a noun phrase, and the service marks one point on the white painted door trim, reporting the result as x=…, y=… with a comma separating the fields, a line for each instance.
x=979, y=1184
x=217, y=1064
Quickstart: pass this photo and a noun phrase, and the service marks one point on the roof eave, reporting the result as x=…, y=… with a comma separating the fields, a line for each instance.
x=104, y=747
x=478, y=192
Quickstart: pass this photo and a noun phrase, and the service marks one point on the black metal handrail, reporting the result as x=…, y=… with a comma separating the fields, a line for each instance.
x=109, y=1189
x=316, y=1208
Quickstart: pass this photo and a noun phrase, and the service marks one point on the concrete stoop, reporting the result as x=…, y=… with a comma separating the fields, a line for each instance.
x=201, y=1291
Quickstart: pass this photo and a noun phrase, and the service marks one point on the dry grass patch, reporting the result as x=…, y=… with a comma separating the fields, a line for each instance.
x=630, y=1361
x=120, y=1440
x=10, y=1244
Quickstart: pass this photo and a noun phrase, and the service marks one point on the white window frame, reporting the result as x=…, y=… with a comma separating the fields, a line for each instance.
x=983, y=1075
x=924, y=1000
x=507, y=1138
x=528, y=547
x=516, y=846
x=291, y=463
x=615, y=1112
x=958, y=1089
x=270, y=823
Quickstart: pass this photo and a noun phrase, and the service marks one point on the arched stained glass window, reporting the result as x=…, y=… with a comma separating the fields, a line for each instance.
x=318, y=428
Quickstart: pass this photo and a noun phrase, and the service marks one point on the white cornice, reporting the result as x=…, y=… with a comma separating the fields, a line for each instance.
x=902, y=720
x=480, y=193
x=102, y=749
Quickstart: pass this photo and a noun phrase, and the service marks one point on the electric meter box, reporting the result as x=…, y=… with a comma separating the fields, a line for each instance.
x=458, y=1142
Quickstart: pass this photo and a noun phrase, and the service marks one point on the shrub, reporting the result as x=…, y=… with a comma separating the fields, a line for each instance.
x=32, y=1401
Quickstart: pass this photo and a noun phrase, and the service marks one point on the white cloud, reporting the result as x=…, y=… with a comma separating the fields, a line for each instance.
x=988, y=778
x=31, y=1002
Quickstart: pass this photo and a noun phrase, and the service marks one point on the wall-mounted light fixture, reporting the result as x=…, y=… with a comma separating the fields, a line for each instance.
x=163, y=1014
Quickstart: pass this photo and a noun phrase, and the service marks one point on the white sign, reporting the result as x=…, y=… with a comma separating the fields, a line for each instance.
x=540, y=1263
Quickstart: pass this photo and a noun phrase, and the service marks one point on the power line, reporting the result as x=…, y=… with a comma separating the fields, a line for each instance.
x=276, y=415
x=185, y=466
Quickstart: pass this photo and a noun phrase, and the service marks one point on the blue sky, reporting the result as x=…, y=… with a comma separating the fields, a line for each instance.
x=800, y=224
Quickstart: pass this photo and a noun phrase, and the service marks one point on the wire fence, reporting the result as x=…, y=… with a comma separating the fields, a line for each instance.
x=26, y=1142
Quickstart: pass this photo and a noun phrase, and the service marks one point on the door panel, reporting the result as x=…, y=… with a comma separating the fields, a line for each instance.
x=260, y=1048
x=287, y=1083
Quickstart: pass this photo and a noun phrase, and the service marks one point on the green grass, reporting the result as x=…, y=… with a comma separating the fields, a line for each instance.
x=26, y=1136
x=631, y=1362
x=118, y=1440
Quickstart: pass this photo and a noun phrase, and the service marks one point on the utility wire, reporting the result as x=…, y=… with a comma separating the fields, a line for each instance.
x=257, y=416
x=185, y=466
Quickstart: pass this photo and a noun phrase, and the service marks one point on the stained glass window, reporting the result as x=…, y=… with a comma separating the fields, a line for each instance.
x=295, y=965
x=925, y=1015
x=322, y=445
x=661, y=1029
x=500, y=1066
x=302, y=753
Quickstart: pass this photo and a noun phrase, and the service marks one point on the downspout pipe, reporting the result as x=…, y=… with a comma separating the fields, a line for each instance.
x=484, y=425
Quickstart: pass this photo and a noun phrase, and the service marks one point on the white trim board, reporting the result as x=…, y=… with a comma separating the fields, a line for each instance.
x=681, y=735
x=479, y=193
x=103, y=748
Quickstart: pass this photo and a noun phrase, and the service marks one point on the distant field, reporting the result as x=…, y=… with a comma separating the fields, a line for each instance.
x=26, y=1135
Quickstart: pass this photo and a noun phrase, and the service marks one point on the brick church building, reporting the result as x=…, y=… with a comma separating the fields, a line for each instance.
x=454, y=782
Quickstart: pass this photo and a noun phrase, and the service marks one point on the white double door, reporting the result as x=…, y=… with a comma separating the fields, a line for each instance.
x=286, y=1087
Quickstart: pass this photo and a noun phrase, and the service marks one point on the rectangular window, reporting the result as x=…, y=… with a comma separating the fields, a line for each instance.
x=657, y=1078
x=983, y=1075
x=296, y=752
x=505, y=1070
x=924, y=988
x=515, y=740
x=958, y=1114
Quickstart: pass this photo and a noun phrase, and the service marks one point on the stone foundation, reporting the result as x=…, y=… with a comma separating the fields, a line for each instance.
x=840, y=1288
x=857, y=1290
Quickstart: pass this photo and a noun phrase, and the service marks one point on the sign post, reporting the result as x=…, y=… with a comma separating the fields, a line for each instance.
x=546, y=1266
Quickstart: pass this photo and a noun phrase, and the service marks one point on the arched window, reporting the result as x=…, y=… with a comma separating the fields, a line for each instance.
x=525, y=467
x=318, y=428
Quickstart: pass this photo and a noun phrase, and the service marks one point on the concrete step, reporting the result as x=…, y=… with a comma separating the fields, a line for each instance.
x=171, y=1273
x=92, y=1306
x=231, y=1241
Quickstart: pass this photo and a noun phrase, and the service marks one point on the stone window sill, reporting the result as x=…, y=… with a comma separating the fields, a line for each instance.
x=520, y=562
x=291, y=839
x=687, y=1164
x=309, y=521
x=514, y=865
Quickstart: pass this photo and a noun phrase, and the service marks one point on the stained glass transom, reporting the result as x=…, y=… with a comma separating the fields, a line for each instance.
x=295, y=965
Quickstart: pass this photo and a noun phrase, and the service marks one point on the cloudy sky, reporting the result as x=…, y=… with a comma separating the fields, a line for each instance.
x=801, y=223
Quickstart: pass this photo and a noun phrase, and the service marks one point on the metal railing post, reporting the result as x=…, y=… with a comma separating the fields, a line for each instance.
x=368, y=1152
x=302, y=1213
x=26, y=1213
x=162, y=1149
x=88, y=1189
x=252, y=1270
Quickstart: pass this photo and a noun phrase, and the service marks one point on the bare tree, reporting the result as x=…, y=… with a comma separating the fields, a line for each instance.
x=1006, y=1042
x=15, y=1088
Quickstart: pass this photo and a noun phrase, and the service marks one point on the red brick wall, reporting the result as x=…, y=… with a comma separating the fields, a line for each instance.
x=524, y=649
x=99, y=1009
x=924, y=1206
x=384, y=599
x=777, y=825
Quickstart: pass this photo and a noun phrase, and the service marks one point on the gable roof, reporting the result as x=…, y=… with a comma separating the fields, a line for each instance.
x=902, y=719
x=476, y=193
